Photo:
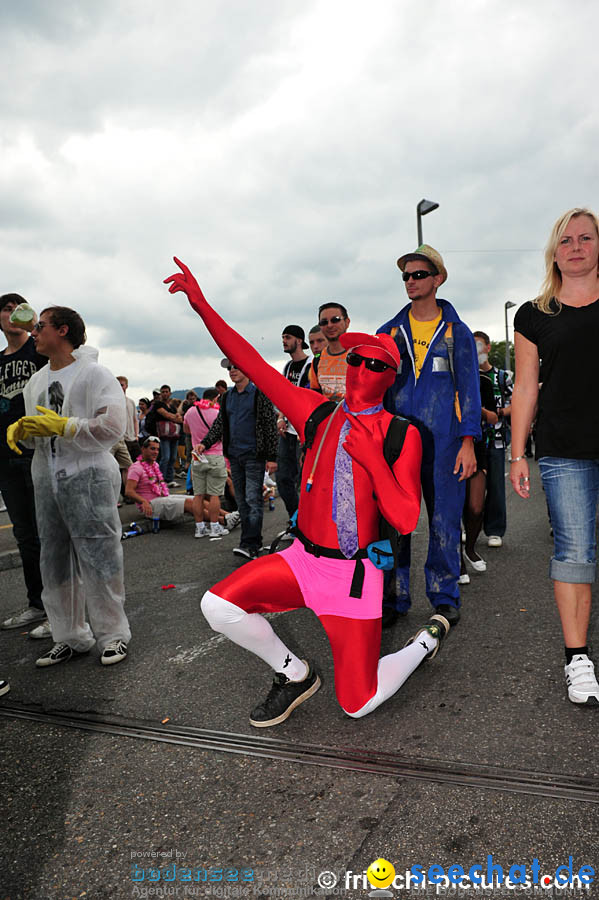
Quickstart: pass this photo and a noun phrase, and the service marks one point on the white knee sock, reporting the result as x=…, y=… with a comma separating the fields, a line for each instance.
x=395, y=669
x=253, y=632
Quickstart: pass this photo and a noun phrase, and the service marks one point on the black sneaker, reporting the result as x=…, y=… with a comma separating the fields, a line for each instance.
x=4, y=687
x=60, y=652
x=247, y=552
x=242, y=551
x=451, y=613
x=283, y=697
x=114, y=652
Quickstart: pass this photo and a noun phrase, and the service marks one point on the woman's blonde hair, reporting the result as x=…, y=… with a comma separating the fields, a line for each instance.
x=553, y=277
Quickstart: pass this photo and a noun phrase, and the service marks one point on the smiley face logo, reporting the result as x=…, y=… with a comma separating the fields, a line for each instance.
x=380, y=873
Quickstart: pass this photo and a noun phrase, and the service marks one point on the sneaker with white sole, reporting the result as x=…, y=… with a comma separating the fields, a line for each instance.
x=464, y=578
x=26, y=617
x=4, y=687
x=59, y=653
x=232, y=520
x=494, y=541
x=581, y=680
x=114, y=652
x=42, y=631
x=201, y=530
x=283, y=698
x=217, y=530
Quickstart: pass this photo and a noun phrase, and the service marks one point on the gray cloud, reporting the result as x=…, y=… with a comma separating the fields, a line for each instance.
x=281, y=152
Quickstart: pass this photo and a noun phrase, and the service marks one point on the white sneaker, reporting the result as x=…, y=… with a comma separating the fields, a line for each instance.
x=494, y=541
x=2, y=504
x=217, y=530
x=464, y=579
x=581, y=681
x=201, y=530
x=25, y=617
x=42, y=631
x=232, y=520
x=479, y=565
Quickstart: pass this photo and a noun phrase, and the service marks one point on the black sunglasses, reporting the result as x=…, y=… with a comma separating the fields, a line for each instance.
x=375, y=365
x=334, y=320
x=418, y=275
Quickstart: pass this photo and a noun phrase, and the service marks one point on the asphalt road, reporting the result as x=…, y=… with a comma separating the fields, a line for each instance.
x=480, y=754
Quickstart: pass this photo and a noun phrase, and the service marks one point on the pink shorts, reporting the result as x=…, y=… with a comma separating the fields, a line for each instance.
x=326, y=583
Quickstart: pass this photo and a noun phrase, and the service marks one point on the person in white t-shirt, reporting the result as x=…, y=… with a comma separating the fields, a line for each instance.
x=75, y=412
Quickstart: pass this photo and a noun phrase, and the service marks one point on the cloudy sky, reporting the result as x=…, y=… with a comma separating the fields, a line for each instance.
x=280, y=149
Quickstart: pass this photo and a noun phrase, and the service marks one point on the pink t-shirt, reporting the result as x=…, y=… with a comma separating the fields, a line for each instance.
x=137, y=473
x=198, y=429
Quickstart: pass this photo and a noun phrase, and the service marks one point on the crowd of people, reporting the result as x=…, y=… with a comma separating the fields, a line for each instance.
x=355, y=434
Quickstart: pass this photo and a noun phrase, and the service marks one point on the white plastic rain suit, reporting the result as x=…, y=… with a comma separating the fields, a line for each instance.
x=77, y=482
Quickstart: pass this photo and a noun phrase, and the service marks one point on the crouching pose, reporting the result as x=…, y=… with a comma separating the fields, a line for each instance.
x=347, y=485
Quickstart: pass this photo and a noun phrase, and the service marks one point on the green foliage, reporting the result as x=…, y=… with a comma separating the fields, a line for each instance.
x=497, y=355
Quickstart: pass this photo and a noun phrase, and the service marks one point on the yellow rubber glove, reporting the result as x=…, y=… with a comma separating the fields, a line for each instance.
x=15, y=433
x=47, y=424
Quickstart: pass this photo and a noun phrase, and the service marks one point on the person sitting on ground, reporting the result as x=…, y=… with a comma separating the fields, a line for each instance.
x=146, y=486
x=327, y=568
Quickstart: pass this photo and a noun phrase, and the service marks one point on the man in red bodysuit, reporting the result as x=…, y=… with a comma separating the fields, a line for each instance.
x=346, y=486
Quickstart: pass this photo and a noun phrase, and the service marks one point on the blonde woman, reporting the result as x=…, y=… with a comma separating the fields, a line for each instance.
x=561, y=327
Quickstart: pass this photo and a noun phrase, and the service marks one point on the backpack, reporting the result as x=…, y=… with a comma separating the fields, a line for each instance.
x=384, y=553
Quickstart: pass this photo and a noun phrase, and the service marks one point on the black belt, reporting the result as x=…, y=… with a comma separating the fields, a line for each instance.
x=332, y=553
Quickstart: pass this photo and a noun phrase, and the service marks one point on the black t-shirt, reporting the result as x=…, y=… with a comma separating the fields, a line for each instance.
x=567, y=342
x=298, y=372
x=15, y=371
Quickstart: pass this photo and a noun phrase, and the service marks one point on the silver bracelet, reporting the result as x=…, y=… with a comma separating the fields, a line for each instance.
x=515, y=459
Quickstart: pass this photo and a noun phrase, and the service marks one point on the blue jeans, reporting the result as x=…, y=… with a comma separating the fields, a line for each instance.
x=17, y=491
x=572, y=491
x=168, y=455
x=288, y=471
x=495, y=516
x=247, y=473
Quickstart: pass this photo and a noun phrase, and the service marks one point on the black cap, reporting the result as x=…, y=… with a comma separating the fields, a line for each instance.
x=298, y=332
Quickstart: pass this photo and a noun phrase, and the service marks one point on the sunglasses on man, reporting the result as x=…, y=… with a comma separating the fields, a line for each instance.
x=374, y=365
x=418, y=275
x=334, y=320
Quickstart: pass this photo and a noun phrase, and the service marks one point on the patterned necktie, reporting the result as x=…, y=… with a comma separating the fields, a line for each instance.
x=344, y=499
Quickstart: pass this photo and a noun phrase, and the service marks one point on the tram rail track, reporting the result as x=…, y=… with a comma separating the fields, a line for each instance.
x=376, y=762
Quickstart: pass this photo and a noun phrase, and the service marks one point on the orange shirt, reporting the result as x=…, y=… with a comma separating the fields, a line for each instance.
x=330, y=378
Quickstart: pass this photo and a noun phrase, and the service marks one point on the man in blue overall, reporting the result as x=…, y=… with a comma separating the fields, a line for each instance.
x=437, y=390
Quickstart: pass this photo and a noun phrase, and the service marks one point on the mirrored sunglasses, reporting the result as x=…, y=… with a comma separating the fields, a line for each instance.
x=334, y=320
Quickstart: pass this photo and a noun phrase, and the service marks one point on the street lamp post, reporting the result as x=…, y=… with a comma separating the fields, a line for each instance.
x=508, y=305
x=423, y=208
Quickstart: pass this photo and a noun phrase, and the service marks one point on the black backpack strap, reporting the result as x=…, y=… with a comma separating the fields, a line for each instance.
x=202, y=418
x=394, y=439
x=317, y=416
